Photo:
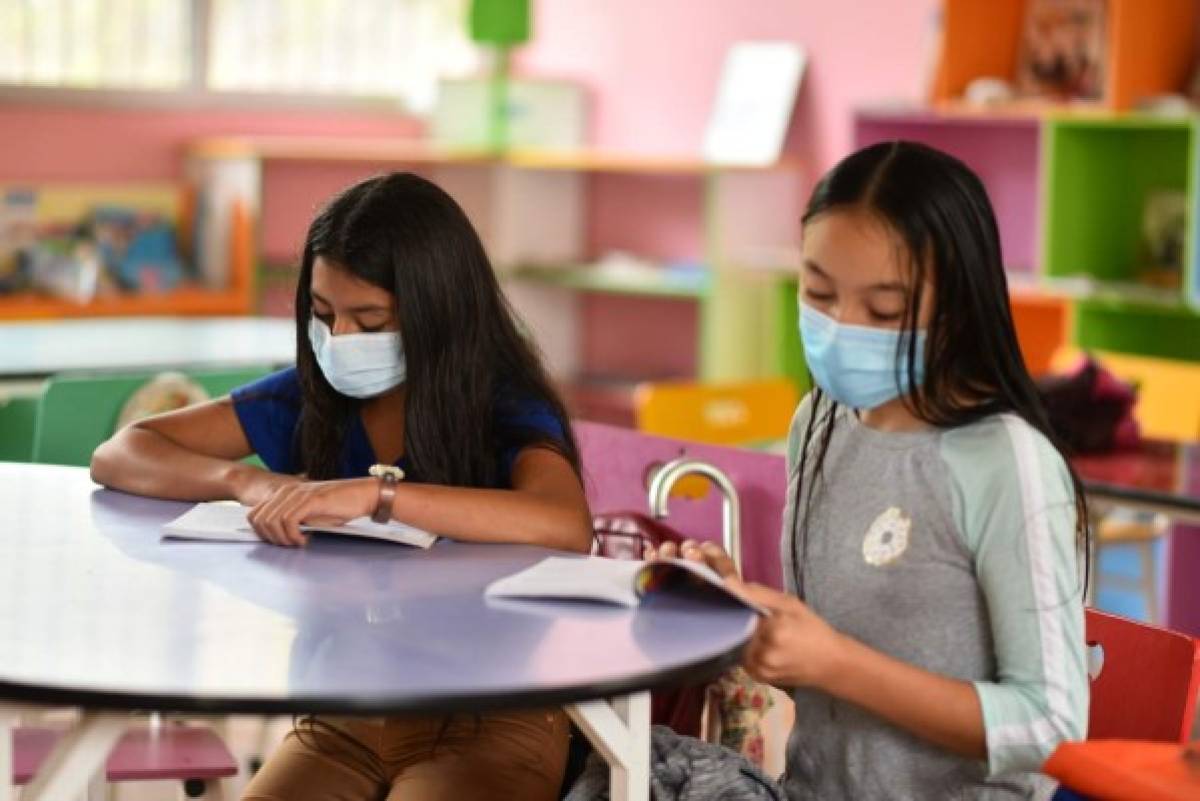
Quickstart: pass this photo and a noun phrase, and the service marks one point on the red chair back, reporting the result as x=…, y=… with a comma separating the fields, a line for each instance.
x=1146, y=689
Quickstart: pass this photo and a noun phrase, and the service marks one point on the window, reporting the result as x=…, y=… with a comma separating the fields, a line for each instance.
x=90, y=44
x=388, y=49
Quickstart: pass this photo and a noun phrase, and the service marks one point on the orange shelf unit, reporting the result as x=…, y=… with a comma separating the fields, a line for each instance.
x=1042, y=322
x=1150, y=47
x=237, y=299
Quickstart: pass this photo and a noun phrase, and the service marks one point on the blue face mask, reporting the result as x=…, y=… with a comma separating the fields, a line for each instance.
x=856, y=365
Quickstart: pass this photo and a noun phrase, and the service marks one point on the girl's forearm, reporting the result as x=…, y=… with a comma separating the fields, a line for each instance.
x=485, y=515
x=937, y=708
x=144, y=462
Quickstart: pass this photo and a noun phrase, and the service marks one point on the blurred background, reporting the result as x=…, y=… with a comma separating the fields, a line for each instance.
x=637, y=170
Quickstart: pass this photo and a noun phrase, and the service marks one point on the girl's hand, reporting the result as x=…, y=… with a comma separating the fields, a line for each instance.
x=709, y=553
x=794, y=646
x=277, y=519
x=252, y=486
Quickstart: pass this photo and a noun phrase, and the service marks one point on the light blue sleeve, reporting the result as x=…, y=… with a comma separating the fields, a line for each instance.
x=1015, y=507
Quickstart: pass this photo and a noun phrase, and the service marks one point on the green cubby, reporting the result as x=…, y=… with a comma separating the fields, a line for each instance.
x=1098, y=174
x=790, y=350
x=1167, y=332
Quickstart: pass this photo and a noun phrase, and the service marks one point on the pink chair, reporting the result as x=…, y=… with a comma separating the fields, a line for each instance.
x=617, y=465
x=193, y=755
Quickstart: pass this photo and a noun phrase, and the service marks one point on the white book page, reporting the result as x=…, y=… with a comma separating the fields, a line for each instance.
x=592, y=577
x=225, y=521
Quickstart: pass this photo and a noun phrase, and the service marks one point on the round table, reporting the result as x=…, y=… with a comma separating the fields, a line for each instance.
x=98, y=611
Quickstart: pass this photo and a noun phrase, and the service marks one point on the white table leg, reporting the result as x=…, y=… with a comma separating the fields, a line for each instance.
x=620, y=731
x=78, y=757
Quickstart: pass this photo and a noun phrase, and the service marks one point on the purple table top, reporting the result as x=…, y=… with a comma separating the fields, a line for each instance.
x=96, y=610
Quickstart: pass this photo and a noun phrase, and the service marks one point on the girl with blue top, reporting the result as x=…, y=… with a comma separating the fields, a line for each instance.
x=931, y=631
x=414, y=397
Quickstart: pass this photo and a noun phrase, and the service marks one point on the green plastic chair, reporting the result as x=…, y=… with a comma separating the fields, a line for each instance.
x=78, y=412
x=18, y=415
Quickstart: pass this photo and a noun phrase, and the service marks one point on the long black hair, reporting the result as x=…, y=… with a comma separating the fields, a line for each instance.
x=940, y=211
x=464, y=350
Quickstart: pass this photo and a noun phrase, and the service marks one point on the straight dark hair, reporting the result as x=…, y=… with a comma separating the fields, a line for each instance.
x=464, y=350
x=940, y=212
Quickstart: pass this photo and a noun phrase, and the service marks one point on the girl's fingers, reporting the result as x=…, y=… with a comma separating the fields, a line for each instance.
x=690, y=549
x=668, y=550
x=718, y=560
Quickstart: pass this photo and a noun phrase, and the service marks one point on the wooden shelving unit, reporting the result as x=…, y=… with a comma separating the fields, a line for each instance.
x=533, y=210
x=1068, y=188
x=234, y=248
x=983, y=39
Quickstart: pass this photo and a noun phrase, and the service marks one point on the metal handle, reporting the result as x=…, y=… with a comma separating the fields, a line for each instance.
x=666, y=477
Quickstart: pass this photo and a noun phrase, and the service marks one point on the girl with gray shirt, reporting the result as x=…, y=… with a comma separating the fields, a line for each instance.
x=931, y=633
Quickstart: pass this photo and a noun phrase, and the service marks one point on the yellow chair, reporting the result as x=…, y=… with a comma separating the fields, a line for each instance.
x=745, y=413
x=1168, y=404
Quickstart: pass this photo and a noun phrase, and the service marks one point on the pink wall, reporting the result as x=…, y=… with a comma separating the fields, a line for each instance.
x=98, y=144
x=653, y=64
x=652, y=68
x=52, y=143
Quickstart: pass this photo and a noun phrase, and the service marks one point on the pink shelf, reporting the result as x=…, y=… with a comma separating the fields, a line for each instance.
x=1004, y=150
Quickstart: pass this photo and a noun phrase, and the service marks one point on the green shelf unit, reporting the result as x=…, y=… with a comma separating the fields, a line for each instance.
x=1098, y=174
x=1144, y=329
x=790, y=350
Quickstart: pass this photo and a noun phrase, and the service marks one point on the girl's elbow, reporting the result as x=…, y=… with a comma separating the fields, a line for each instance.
x=575, y=532
x=106, y=463
x=101, y=467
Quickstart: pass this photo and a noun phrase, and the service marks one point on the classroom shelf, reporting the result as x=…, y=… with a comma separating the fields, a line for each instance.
x=1146, y=330
x=983, y=39
x=1004, y=151
x=189, y=302
x=315, y=148
x=1083, y=288
x=1098, y=174
x=632, y=164
x=655, y=282
x=544, y=218
x=382, y=150
x=228, y=250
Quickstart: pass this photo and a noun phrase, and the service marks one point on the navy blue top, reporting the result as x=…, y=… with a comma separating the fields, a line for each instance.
x=269, y=411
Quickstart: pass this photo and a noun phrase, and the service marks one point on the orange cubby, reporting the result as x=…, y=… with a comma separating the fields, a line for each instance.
x=1042, y=322
x=191, y=300
x=1150, y=47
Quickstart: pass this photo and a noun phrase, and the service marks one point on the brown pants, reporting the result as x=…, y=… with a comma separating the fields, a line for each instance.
x=463, y=757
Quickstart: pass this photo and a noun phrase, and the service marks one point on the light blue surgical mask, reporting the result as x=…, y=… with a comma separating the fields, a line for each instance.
x=358, y=365
x=856, y=365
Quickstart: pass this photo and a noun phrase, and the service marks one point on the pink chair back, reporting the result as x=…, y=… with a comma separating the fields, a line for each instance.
x=618, y=461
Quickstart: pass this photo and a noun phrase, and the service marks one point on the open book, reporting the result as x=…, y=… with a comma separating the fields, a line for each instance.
x=225, y=521
x=617, y=581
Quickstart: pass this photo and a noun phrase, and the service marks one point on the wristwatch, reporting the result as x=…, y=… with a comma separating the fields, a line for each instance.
x=389, y=476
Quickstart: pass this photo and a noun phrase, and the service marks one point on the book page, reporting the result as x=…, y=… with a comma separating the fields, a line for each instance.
x=225, y=521
x=660, y=574
x=589, y=578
